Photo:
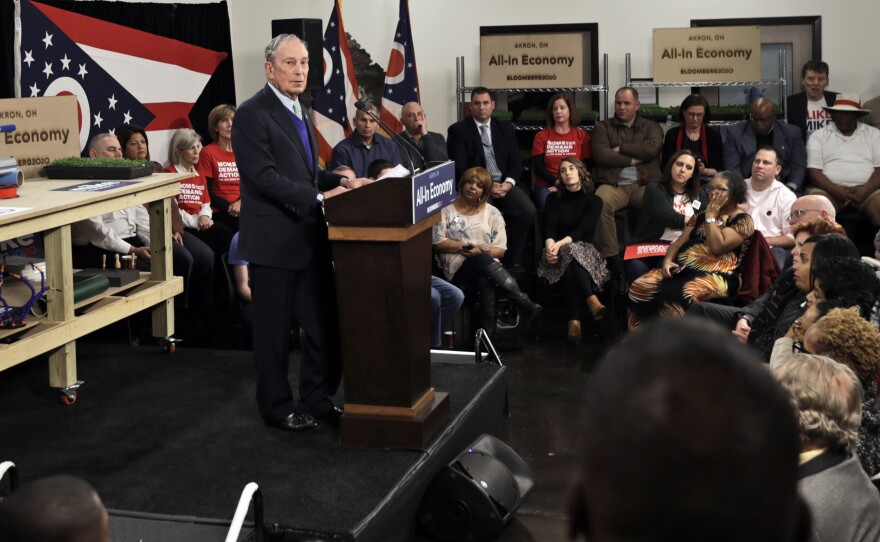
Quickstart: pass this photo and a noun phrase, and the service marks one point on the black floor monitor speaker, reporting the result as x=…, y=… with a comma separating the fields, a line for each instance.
x=476, y=494
x=309, y=30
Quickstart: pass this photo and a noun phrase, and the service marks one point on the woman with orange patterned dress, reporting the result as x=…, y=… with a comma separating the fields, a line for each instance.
x=704, y=263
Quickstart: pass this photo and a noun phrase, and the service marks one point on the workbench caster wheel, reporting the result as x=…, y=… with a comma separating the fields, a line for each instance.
x=68, y=395
x=169, y=345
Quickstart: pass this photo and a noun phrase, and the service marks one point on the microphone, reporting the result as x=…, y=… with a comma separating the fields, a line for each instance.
x=359, y=105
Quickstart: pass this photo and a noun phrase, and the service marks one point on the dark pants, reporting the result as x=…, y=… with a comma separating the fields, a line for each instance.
x=218, y=237
x=194, y=261
x=577, y=285
x=308, y=294
x=519, y=215
x=721, y=314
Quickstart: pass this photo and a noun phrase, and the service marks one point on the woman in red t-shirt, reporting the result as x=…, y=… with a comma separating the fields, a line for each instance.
x=193, y=200
x=217, y=165
x=561, y=138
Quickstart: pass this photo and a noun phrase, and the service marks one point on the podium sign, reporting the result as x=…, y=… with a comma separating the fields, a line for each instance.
x=432, y=190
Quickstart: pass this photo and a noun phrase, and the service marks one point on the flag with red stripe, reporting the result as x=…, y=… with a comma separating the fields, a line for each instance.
x=333, y=106
x=401, y=76
x=118, y=74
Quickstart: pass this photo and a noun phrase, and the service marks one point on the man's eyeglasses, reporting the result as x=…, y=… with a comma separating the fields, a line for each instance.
x=797, y=214
x=716, y=189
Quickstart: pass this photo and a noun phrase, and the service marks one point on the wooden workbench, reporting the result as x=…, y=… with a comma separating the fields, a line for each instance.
x=52, y=212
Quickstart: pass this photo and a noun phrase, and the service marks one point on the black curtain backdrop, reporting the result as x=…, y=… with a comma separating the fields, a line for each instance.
x=204, y=25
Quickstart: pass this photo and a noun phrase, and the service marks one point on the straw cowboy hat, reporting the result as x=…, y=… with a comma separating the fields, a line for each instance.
x=848, y=103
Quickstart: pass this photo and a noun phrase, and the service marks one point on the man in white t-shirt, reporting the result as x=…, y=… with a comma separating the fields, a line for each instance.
x=770, y=202
x=843, y=159
x=805, y=109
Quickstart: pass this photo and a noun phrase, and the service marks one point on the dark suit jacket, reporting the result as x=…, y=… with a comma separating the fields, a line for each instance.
x=466, y=147
x=740, y=147
x=796, y=108
x=714, y=146
x=281, y=224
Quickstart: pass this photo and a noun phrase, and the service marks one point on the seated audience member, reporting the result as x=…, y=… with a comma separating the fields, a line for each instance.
x=811, y=206
x=364, y=145
x=694, y=134
x=218, y=166
x=481, y=141
x=806, y=108
x=192, y=259
x=846, y=337
x=194, y=200
x=666, y=208
x=844, y=504
x=626, y=151
x=54, y=509
x=687, y=438
x=446, y=299
x=782, y=293
x=103, y=238
x=789, y=300
x=561, y=138
x=704, y=262
x=136, y=146
x=431, y=145
x=770, y=203
x=570, y=254
x=844, y=159
x=847, y=278
x=873, y=105
x=745, y=138
x=345, y=171
x=377, y=168
x=470, y=239
x=242, y=280
x=784, y=347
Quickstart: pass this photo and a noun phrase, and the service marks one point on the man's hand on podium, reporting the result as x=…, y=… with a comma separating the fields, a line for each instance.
x=355, y=183
x=335, y=192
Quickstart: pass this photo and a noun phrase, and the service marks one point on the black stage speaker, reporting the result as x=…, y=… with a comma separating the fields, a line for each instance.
x=309, y=30
x=476, y=494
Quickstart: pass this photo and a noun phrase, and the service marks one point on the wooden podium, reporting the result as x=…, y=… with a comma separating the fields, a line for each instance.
x=383, y=277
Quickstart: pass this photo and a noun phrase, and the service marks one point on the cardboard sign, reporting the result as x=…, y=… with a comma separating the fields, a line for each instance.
x=532, y=60
x=707, y=54
x=45, y=129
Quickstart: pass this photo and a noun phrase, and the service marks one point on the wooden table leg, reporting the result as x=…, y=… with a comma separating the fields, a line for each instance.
x=161, y=263
x=59, y=275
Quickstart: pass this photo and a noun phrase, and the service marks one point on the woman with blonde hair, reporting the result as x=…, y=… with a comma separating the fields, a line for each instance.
x=844, y=336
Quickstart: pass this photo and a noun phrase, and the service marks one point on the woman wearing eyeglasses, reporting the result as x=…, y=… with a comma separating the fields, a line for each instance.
x=695, y=134
x=704, y=262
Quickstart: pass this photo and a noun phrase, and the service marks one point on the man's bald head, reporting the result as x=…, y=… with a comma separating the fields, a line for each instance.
x=811, y=206
x=763, y=113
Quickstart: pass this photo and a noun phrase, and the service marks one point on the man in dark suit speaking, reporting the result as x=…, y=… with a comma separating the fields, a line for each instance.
x=284, y=237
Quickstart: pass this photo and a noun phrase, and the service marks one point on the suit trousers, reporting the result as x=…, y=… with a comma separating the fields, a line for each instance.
x=519, y=214
x=309, y=295
x=615, y=198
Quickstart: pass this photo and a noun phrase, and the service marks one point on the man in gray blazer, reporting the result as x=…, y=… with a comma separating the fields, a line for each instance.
x=745, y=138
x=284, y=237
x=844, y=504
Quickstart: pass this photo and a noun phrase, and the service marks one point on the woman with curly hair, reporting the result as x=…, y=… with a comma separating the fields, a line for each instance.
x=847, y=338
x=704, y=262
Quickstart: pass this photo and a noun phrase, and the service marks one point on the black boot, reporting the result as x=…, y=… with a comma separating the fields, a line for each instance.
x=487, y=310
x=497, y=274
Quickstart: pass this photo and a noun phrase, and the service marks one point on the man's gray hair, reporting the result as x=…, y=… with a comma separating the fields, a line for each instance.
x=98, y=138
x=828, y=398
x=277, y=41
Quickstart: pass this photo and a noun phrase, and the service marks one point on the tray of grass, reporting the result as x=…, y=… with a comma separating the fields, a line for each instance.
x=79, y=168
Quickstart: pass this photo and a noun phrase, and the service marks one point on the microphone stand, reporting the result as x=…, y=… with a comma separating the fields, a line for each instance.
x=394, y=136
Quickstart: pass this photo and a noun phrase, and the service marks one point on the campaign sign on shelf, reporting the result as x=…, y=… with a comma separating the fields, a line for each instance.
x=432, y=190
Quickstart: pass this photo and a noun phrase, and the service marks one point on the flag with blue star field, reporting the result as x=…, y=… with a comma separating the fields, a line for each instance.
x=119, y=75
x=401, y=76
x=333, y=106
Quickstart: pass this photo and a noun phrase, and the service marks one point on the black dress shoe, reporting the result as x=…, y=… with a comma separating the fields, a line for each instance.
x=297, y=422
x=325, y=411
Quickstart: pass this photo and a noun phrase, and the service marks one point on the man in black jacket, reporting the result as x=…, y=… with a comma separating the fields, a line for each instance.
x=805, y=108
